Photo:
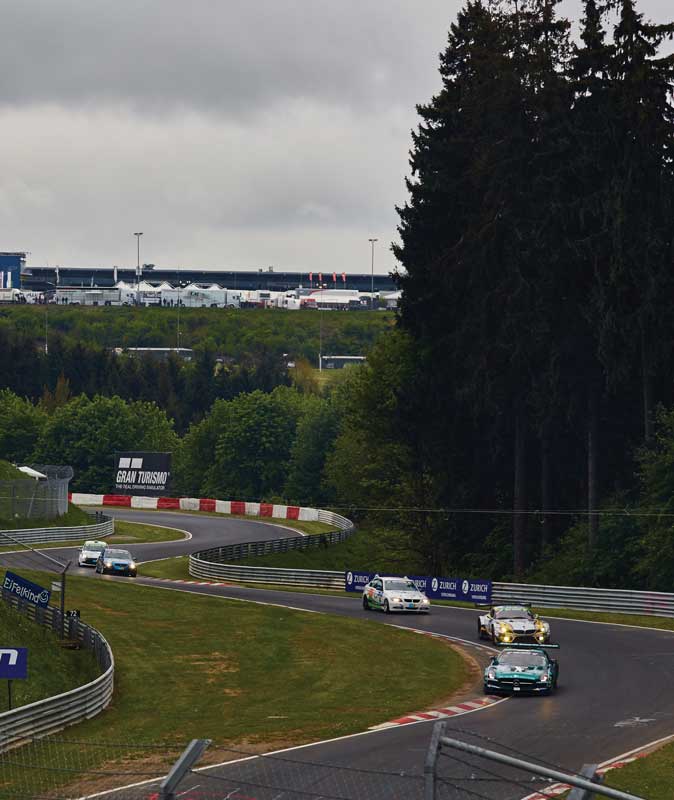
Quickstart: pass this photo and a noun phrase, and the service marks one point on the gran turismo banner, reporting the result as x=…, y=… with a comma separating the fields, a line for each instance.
x=25, y=590
x=142, y=473
x=466, y=589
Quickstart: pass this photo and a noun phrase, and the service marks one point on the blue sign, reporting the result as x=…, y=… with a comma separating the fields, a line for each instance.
x=463, y=589
x=13, y=663
x=25, y=590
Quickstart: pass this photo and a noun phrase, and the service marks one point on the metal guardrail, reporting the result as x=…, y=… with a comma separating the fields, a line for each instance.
x=98, y=530
x=55, y=713
x=318, y=579
x=213, y=563
x=623, y=601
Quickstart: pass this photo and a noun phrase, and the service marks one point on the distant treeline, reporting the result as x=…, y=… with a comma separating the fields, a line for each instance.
x=234, y=352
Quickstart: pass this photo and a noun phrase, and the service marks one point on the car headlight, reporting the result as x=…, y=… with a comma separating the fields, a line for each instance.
x=544, y=677
x=425, y=601
x=491, y=675
x=132, y=565
x=108, y=563
x=396, y=599
x=504, y=627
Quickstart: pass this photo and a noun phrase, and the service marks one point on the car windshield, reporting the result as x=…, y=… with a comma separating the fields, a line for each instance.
x=512, y=613
x=522, y=660
x=96, y=548
x=117, y=554
x=400, y=586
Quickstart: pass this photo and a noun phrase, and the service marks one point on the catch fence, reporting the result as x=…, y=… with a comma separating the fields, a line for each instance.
x=43, y=498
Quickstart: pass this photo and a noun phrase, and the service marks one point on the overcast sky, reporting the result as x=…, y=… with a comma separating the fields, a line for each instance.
x=257, y=134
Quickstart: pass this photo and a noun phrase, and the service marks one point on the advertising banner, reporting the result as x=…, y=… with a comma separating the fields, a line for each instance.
x=25, y=590
x=146, y=474
x=13, y=663
x=463, y=589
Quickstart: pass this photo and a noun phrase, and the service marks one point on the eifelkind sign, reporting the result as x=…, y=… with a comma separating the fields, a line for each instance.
x=25, y=590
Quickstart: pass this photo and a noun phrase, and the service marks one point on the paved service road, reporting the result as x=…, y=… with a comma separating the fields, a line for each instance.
x=614, y=695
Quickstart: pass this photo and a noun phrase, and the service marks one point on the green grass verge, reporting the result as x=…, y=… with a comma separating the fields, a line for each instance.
x=67, y=669
x=125, y=533
x=651, y=777
x=370, y=550
x=8, y=472
x=74, y=516
x=194, y=666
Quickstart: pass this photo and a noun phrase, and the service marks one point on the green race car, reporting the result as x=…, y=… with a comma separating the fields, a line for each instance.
x=522, y=668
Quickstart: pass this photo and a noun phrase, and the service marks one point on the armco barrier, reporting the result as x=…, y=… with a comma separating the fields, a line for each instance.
x=315, y=578
x=624, y=601
x=98, y=530
x=55, y=713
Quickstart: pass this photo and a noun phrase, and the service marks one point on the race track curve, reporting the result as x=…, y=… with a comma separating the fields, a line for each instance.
x=614, y=695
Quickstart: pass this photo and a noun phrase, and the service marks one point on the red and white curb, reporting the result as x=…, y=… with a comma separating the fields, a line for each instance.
x=440, y=713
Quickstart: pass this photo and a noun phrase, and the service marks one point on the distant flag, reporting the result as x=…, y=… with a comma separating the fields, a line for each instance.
x=311, y=277
x=334, y=277
x=320, y=277
x=343, y=277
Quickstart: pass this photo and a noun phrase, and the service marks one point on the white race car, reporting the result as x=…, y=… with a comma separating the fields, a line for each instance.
x=394, y=594
x=508, y=624
x=89, y=553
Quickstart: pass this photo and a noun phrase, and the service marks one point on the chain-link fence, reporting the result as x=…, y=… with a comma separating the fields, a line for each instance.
x=44, y=498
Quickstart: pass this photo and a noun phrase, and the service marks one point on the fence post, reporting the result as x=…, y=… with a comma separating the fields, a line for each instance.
x=190, y=755
x=588, y=771
x=432, y=760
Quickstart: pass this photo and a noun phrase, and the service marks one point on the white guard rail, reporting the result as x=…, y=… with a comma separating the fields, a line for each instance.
x=317, y=579
x=623, y=601
x=98, y=530
x=55, y=713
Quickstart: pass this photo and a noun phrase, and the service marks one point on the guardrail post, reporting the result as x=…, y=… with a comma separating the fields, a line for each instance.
x=432, y=760
x=190, y=755
x=588, y=771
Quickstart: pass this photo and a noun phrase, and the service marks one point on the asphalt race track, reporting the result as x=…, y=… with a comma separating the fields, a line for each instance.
x=614, y=692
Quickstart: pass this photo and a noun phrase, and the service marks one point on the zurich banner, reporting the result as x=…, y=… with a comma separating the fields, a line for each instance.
x=25, y=590
x=464, y=589
x=13, y=663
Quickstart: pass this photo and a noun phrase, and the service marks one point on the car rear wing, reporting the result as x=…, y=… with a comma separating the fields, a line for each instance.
x=527, y=646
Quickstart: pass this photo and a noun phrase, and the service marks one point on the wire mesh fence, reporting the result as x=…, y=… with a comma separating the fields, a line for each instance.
x=45, y=498
x=62, y=768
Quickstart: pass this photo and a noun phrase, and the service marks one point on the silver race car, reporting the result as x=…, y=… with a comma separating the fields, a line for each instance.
x=89, y=553
x=394, y=594
x=508, y=624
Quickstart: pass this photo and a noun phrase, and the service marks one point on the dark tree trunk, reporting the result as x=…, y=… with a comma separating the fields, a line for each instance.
x=546, y=502
x=647, y=389
x=592, y=465
x=519, y=500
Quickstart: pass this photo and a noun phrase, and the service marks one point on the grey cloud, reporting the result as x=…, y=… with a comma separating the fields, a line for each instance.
x=222, y=57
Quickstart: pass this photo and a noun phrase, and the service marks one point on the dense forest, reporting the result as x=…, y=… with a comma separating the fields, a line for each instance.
x=516, y=420
x=234, y=352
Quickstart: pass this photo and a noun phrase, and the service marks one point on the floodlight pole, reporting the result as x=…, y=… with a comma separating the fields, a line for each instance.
x=372, y=241
x=138, y=234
